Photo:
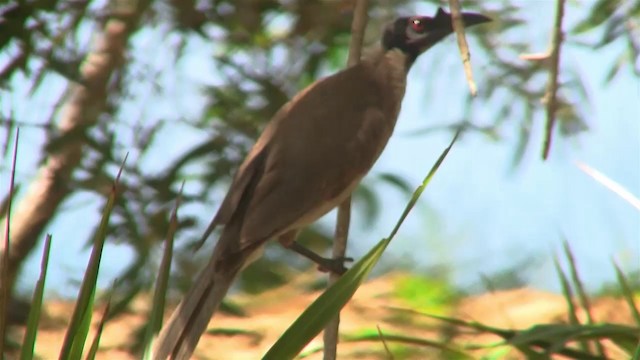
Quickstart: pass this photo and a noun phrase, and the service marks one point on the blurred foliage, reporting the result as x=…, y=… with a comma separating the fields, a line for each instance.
x=264, y=51
x=434, y=296
x=616, y=21
x=614, y=288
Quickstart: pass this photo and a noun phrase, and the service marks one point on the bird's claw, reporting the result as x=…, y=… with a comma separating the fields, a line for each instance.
x=334, y=265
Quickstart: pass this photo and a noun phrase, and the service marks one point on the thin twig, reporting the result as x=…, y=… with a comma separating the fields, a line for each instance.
x=358, y=27
x=330, y=336
x=610, y=184
x=458, y=27
x=384, y=342
x=552, y=85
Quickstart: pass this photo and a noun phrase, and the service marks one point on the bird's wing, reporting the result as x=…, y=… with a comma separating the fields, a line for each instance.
x=250, y=169
x=323, y=144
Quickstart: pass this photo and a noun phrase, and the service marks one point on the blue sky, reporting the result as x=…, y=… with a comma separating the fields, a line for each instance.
x=478, y=216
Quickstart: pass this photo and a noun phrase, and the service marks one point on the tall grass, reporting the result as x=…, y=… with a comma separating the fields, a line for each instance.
x=573, y=339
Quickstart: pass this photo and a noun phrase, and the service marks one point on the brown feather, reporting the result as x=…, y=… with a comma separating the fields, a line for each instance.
x=309, y=158
x=325, y=140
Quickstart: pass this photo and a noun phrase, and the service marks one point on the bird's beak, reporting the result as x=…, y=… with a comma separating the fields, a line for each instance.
x=470, y=19
x=443, y=26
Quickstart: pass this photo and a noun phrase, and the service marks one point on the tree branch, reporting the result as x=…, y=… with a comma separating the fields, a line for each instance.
x=86, y=102
x=552, y=85
x=458, y=27
x=330, y=336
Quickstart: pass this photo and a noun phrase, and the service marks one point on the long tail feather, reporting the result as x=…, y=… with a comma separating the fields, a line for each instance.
x=179, y=336
x=181, y=333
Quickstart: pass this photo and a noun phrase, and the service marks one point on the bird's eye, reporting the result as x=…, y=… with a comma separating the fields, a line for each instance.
x=417, y=25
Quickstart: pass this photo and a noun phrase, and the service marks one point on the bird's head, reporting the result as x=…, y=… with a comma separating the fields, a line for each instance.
x=416, y=34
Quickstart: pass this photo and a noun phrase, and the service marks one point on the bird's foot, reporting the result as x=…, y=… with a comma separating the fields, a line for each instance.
x=333, y=265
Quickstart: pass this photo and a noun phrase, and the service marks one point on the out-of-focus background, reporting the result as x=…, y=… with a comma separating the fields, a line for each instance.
x=184, y=87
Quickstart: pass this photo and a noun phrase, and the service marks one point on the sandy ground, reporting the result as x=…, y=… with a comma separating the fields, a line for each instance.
x=374, y=305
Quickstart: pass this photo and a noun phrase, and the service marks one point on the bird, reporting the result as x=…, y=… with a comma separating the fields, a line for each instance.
x=309, y=158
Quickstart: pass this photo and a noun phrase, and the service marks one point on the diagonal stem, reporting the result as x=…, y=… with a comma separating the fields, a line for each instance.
x=552, y=85
x=458, y=27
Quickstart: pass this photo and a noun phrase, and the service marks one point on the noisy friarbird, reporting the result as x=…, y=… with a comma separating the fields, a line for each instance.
x=309, y=158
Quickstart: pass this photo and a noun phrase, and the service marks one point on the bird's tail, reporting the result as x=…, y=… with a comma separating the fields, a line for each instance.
x=180, y=335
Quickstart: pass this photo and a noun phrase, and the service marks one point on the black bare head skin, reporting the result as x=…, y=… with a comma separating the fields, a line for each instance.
x=416, y=34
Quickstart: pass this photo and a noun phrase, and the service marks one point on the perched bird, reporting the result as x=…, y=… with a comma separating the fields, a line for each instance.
x=309, y=158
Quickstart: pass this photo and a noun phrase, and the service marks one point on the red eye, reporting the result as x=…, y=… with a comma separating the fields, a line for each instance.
x=417, y=25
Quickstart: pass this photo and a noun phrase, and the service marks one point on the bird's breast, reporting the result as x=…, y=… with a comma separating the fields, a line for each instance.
x=393, y=72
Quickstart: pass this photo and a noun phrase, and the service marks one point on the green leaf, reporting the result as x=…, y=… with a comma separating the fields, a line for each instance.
x=95, y=344
x=552, y=338
x=78, y=329
x=29, y=341
x=618, y=64
x=364, y=194
x=397, y=181
x=582, y=294
x=4, y=262
x=425, y=294
x=566, y=292
x=82, y=330
x=450, y=351
x=627, y=293
x=318, y=314
x=328, y=304
x=154, y=323
x=557, y=335
x=600, y=12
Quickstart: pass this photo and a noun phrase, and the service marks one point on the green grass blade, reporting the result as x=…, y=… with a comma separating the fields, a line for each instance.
x=542, y=341
x=554, y=338
x=582, y=294
x=95, y=344
x=320, y=312
x=4, y=263
x=387, y=351
x=315, y=317
x=416, y=194
x=447, y=349
x=159, y=296
x=83, y=329
x=627, y=293
x=577, y=283
x=28, y=344
x=572, y=312
x=567, y=293
x=473, y=325
x=81, y=318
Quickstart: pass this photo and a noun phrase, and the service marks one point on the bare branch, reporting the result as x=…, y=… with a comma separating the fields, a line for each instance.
x=458, y=27
x=552, y=85
x=330, y=336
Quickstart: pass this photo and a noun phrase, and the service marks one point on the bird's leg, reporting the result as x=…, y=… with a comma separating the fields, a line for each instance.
x=324, y=264
x=336, y=265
